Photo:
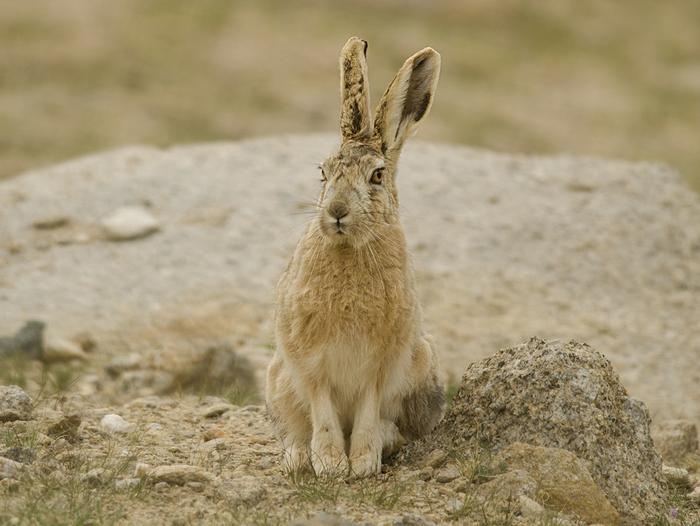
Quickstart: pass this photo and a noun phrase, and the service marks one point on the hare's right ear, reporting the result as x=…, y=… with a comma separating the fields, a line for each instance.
x=355, y=116
x=406, y=101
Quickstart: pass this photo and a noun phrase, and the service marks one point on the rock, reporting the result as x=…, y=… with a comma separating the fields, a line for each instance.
x=675, y=439
x=113, y=423
x=215, y=370
x=62, y=350
x=66, y=427
x=195, y=486
x=161, y=486
x=530, y=508
x=51, y=222
x=15, y=404
x=677, y=477
x=23, y=455
x=244, y=490
x=509, y=485
x=425, y=473
x=447, y=474
x=563, y=481
x=561, y=396
x=694, y=496
x=28, y=341
x=129, y=223
x=122, y=363
x=217, y=410
x=141, y=469
x=178, y=474
x=436, y=458
x=9, y=469
x=86, y=341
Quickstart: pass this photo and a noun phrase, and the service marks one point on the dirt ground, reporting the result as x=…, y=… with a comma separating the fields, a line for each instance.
x=615, y=79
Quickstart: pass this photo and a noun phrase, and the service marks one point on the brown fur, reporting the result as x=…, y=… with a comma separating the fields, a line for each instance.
x=352, y=360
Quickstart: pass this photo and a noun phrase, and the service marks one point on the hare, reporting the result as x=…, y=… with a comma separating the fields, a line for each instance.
x=354, y=375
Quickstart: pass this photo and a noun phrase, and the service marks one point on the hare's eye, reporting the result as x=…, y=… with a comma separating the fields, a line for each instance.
x=323, y=174
x=377, y=176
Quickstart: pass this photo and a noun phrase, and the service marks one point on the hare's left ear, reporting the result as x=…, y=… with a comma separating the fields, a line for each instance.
x=407, y=100
x=355, y=116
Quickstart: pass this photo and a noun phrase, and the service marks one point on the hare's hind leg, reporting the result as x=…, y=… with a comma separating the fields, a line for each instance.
x=423, y=406
x=290, y=418
x=392, y=439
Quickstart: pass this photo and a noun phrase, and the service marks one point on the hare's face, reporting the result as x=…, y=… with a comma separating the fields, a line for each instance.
x=358, y=197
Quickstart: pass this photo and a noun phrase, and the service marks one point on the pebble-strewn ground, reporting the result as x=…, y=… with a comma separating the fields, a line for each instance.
x=154, y=271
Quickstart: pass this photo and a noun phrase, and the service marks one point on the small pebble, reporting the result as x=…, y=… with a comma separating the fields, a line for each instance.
x=129, y=483
x=113, y=423
x=51, y=222
x=447, y=474
x=129, y=223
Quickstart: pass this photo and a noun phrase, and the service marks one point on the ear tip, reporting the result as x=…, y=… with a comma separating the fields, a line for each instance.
x=353, y=41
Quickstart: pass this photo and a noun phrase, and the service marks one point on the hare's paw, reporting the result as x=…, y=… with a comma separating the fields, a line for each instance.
x=328, y=457
x=296, y=458
x=366, y=454
x=330, y=463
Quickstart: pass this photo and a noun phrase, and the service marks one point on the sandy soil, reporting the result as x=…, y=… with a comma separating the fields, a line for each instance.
x=505, y=247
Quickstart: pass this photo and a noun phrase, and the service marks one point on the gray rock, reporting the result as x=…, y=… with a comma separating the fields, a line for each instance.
x=678, y=477
x=178, y=474
x=9, y=469
x=129, y=223
x=28, y=341
x=15, y=404
x=246, y=490
x=563, y=396
x=447, y=474
x=125, y=484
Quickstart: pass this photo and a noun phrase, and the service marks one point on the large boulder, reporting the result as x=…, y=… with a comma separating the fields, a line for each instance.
x=563, y=396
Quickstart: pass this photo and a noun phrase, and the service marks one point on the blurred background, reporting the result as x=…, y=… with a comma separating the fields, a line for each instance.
x=612, y=79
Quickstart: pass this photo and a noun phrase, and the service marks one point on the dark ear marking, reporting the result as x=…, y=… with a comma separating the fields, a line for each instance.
x=365, y=50
x=356, y=118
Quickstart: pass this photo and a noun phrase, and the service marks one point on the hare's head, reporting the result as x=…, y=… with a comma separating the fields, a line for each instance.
x=359, y=196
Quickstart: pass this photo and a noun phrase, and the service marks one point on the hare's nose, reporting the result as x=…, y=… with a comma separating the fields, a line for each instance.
x=338, y=210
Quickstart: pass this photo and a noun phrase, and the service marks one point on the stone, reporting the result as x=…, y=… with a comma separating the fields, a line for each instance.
x=674, y=439
x=86, y=341
x=66, y=427
x=15, y=404
x=677, y=477
x=122, y=363
x=51, y=222
x=113, y=423
x=530, y=508
x=447, y=474
x=9, y=469
x=411, y=519
x=217, y=410
x=694, y=496
x=129, y=223
x=23, y=455
x=323, y=518
x=436, y=458
x=563, y=481
x=508, y=485
x=560, y=395
x=28, y=341
x=62, y=350
x=178, y=474
x=244, y=490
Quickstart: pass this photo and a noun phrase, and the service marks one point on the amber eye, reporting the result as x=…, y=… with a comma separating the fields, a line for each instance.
x=377, y=176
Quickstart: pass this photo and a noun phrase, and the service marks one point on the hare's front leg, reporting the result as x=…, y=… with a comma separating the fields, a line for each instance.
x=367, y=437
x=327, y=441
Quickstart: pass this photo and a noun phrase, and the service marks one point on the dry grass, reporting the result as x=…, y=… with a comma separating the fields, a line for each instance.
x=614, y=79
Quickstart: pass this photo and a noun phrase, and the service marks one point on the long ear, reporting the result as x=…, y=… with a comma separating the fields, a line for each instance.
x=407, y=100
x=355, y=116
